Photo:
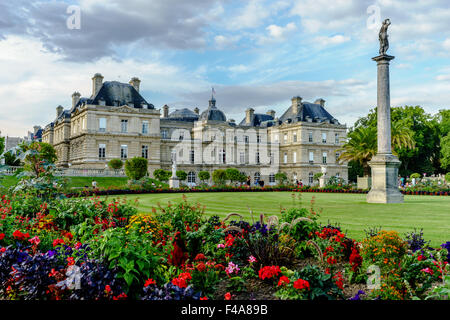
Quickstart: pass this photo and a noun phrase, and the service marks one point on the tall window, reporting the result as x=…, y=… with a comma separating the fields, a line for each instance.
x=222, y=156
x=310, y=137
x=102, y=124
x=102, y=151
x=324, y=158
x=336, y=138
x=294, y=137
x=191, y=177
x=145, y=152
x=246, y=139
x=242, y=157
x=294, y=157
x=164, y=134
x=124, y=125
x=124, y=151
x=285, y=157
x=257, y=176
x=337, y=156
x=311, y=178
x=257, y=158
x=144, y=127
x=192, y=156
x=258, y=139
x=285, y=138
x=272, y=178
x=311, y=157
x=324, y=137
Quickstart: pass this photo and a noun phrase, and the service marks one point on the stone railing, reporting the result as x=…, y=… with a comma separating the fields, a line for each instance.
x=72, y=172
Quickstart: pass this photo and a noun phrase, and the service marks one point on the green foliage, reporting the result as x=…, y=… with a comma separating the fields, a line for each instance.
x=136, y=168
x=182, y=175
x=447, y=177
x=162, y=175
x=355, y=170
x=281, y=178
x=415, y=175
x=232, y=174
x=115, y=164
x=219, y=176
x=445, y=152
x=204, y=176
x=11, y=159
x=317, y=176
x=2, y=145
x=441, y=292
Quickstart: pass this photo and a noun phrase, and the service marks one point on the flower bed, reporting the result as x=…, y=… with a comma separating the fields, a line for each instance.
x=91, y=249
x=112, y=191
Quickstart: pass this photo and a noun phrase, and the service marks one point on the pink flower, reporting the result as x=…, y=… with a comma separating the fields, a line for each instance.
x=220, y=245
x=252, y=259
x=232, y=268
x=427, y=270
x=35, y=240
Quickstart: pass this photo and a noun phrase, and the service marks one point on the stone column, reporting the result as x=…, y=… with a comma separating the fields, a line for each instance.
x=384, y=164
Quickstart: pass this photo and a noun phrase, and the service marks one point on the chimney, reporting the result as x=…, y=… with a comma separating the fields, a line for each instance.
x=249, y=115
x=197, y=111
x=75, y=98
x=166, y=111
x=271, y=113
x=320, y=101
x=296, y=103
x=97, y=81
x=59, y=111
x=135, y=82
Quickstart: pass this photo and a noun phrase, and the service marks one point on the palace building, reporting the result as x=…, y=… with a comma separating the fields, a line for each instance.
x=115, y=121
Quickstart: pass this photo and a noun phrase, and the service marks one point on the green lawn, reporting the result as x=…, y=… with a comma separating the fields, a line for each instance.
x=432, y=213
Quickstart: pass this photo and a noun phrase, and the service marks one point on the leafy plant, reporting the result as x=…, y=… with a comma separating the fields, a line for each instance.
x=136, y=168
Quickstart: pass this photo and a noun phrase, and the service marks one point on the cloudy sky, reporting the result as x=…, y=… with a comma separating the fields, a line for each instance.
x=255, y=53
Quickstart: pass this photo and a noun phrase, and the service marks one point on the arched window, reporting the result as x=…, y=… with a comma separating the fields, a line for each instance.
x=311, y=178
x=191, y=177
x=257, y=176
x=272, y=178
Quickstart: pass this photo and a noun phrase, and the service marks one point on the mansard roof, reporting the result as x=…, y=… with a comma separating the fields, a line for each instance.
x=308, y=111
x=259, y=119
x=114, y=93
x=183, y=115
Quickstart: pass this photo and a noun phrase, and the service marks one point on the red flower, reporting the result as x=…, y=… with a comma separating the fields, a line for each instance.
x=203, y=298
x=20, y=236
x=421, y=257
x=57, y=242
x=283, y=281
x=107, y=288
x=201, y=267
x=200, y=256
x=182, y=280
x=70, y=261
x=227, y=296
x=149, y=282
x=301, y=284
x=269, y=272
x=2, y=236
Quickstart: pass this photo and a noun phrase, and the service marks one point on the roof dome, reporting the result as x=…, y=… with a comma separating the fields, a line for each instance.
x=183, y=115
x=212, y=113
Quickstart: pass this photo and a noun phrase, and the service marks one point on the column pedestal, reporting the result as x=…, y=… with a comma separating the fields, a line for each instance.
x=174, y=183
x=384, y=180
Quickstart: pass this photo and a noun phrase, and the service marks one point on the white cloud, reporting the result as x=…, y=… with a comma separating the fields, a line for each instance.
x=334, y=40
x=277, y=33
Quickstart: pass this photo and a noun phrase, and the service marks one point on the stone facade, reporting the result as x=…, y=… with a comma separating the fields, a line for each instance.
x=117, y=122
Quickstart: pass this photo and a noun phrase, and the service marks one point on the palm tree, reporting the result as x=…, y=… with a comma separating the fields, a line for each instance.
x=362, y=144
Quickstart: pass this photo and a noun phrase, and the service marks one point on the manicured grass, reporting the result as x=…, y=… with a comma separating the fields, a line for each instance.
x=80, y=182
x=432, y=213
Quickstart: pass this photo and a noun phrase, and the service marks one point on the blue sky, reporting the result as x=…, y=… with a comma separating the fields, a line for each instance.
x=256, y=53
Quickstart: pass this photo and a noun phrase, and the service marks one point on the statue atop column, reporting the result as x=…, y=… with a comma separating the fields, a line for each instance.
x=383, y=37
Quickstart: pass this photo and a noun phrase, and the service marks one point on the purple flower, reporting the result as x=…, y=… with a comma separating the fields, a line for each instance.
x=357, y=296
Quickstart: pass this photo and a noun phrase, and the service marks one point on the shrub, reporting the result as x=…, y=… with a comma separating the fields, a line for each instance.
x=415, y=240
x=162, y=175
x=447, y=177
x=219, y=176
x=415, y=175
x=204, y=176
x=136, y=168
x=181, y=174
x=115, y=164
x=232, y=174
x=317, y=176
x=281, y=178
